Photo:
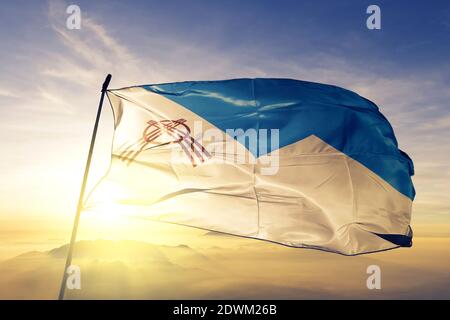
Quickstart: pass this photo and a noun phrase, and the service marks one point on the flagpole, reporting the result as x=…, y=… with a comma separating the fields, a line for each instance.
x=83, y=189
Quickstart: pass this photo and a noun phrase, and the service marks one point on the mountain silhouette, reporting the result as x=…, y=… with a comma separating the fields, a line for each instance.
x=129, y=269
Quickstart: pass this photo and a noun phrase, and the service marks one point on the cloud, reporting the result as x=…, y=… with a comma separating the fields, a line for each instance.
x=439, y=123
x=137, y=270
x=86, y=53
x=63, y=78
x=8, y=93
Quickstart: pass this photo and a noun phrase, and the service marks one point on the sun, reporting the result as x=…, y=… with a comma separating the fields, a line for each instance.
x=108, y=212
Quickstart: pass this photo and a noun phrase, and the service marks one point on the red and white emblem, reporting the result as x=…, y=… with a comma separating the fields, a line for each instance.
x=177, y=131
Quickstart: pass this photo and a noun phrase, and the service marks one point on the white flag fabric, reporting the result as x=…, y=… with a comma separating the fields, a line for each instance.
x=297, y=163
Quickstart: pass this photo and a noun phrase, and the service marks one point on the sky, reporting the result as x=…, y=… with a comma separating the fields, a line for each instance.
x=50, y=78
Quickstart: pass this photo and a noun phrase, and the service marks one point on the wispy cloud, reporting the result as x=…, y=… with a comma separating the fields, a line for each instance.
x=8, y=93
x=439, y=123
x=62, y=82
x=88, y=52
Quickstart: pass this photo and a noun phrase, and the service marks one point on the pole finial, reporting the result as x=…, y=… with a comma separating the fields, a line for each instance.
x=106, y=83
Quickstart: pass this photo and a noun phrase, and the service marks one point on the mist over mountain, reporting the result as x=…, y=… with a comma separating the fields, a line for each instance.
x=137, y=270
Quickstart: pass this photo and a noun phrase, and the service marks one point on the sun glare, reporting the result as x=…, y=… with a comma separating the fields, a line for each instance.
x=107, y=210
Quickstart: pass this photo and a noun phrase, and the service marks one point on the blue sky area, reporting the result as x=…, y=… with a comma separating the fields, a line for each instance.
x=50, y=76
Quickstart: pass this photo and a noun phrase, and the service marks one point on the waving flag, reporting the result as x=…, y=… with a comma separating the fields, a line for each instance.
x=293, y=162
